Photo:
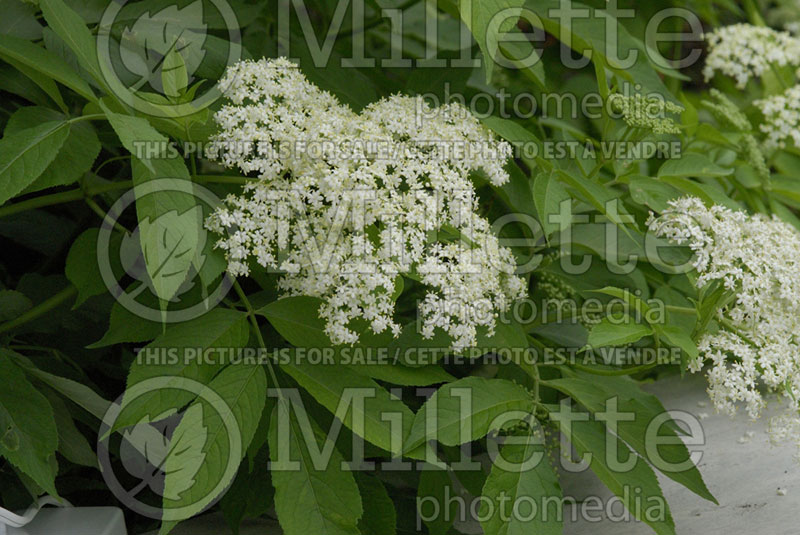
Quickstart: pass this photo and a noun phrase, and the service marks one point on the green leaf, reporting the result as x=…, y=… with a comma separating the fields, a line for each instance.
x=595, y=394
x=692, y=164
x=209, y=443
x=506, y=488
x=652, y=193
x=607, y=333
x=519, y=136
x=635, y=303
x=489, y=399
x=31, y=58
x=170, y=243
x=19, y=20
x=404, y=375
x=380, y=515
x=127, y=327
x=174, y=79
x=309, y=500
x=28, y=433
x=434, y=487
x=82, y=269
x=80, y=394
x=71, y=442
x=680, y=338
x=218, y=328
x=586, y=31
x=600, y=197
x=297, y=320
x=69, y=26
x=548, y=194
x=590, y=437
x=708, y=193
x=480, y=19
x=330, y=384
x=143, y=141
x=25, y=155
x=177, y=242
x=12, y=304
x=76, y=155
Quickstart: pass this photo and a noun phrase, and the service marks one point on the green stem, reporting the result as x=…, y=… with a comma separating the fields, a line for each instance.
x=737, y=331
x=685, y=310
x=40, y=309
x=753, y=14
x=79, y=194
x=251, y=314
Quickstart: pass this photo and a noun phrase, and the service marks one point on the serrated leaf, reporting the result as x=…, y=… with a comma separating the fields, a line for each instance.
x=173, y=74
x=380, y=515
x=479, y=18
x=170, y=244
x=72, y=444
x=73, y=31
x=329, y=385
x=434, y=487
x=681, y=339
x=31, y=58
x=506, y=488
x=186, y=454
x=243, y=389
x=297, y=319
x=76, y=155
x=489, y=398
x=594, y=394
x=28, y=433
x=692, y=164
x=26, y=154
x=219, y=328
x=607, y=333
x=308, y=500
x=590, y=437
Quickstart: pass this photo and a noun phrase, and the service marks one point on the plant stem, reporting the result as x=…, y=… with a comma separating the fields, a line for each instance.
x=77, y=194
x=685, y=310
x=40, y=309
x=251, y=314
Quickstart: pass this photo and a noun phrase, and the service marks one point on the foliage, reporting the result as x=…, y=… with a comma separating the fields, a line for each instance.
x=97, y=302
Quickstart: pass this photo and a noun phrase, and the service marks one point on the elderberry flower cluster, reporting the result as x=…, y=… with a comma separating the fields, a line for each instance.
x=757, y=346
x=648, y=112
x=346, y=203
x=781, y=118
x=742, y=51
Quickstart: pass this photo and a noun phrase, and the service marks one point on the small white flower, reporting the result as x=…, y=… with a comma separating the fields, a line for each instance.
x=742, y=51
x=345, y=203
x=781, y=118
x=757, y=344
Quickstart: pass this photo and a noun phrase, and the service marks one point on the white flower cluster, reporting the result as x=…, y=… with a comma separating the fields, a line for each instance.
x=757, y=346
x=781, y=118
x=742, y=51
x=347, y=202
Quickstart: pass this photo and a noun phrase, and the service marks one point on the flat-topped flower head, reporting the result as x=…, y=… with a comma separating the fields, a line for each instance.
x=744, y=51
x=347, y=202
x=781, y=118
x=757, y=345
